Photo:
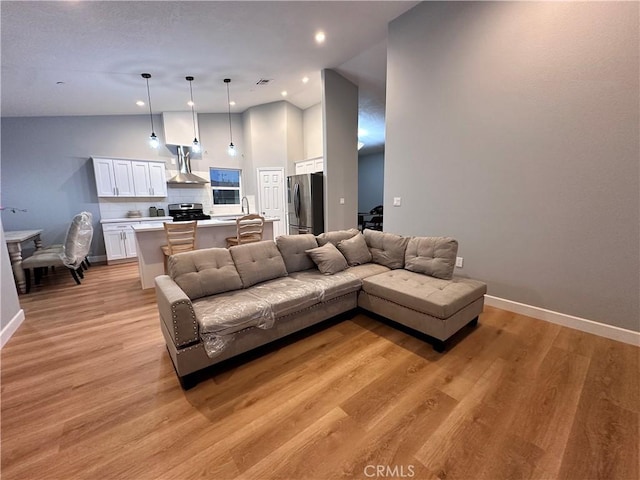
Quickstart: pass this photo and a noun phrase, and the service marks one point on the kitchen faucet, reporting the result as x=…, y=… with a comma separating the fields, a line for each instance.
x=245, y=199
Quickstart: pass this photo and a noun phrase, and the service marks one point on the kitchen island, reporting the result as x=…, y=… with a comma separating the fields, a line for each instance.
x=210, y=233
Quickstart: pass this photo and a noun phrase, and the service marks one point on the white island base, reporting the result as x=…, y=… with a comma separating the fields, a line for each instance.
x=210, y=233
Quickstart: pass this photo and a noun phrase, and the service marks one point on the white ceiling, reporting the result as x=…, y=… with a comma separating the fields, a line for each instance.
x=98, y=49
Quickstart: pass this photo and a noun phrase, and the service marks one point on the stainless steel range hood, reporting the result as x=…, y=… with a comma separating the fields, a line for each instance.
x=184, y=175
x=178, y=135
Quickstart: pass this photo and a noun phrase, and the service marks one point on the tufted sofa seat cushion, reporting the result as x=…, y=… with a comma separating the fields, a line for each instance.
x=432, y=296
x=258, y=262
x=332, y=286
x=231, y=312
x=287, y=295
x=367, y=270
x=204, y=272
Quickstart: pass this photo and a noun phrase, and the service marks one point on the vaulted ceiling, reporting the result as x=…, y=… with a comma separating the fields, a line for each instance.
x=86, y=57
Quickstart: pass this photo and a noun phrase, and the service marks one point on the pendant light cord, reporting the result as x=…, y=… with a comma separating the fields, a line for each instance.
x=149, y=97
x=193, y=115
x=227, y=81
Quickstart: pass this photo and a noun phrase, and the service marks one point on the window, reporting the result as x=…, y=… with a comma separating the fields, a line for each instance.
x=226, y=184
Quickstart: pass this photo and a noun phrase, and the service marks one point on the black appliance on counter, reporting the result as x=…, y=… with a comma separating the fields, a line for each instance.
x=186, y=212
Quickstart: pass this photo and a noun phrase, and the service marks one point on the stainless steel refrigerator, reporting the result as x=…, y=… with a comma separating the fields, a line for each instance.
x=305, y=195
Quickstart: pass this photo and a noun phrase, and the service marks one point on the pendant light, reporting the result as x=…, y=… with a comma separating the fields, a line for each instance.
x=153, y=140
x=196, y=145
x=231, y=151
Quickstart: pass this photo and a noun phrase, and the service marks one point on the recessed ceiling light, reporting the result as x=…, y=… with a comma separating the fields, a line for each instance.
x=232, y=103
x=140, y=103
x=190, y=103
x=305, y=79
x=320, y=37
x=284, y=93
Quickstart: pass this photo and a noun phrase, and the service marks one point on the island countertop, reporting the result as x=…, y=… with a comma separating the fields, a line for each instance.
x=210, y=233
x=135, y=219
x=214, y=222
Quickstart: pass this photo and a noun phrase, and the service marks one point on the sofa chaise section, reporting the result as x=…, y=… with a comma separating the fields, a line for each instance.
x=419, y=291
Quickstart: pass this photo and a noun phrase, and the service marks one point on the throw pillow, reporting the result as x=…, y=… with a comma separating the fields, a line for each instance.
x=355, y=250
x=328, y=259
x=336, y=236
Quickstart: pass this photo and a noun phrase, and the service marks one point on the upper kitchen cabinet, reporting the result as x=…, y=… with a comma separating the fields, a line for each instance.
x=114, y=178
x=129, y=178
x=149, y=179
x=309, y=166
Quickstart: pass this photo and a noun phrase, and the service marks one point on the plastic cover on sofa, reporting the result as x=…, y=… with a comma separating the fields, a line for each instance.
x=222, y=316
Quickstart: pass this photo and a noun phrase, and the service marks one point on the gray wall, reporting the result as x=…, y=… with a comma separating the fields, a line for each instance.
x=340, y=136
x=370, y=181
x=514, y=128
x=46, y=166
x=273, y=134
x=312, y=128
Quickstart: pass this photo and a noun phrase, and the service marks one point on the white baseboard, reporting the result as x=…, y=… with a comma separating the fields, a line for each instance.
x=11, y=327
x=577, y=323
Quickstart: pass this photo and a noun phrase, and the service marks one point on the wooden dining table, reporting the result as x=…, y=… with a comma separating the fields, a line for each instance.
x=15, y=239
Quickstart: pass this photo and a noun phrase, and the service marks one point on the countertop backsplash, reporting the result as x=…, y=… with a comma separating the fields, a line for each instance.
x=119, y=207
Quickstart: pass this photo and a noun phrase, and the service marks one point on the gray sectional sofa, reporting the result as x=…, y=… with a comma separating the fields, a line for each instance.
x=217, y=303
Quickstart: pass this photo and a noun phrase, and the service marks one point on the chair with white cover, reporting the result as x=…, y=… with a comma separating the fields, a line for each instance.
x=74, y=251
x=181, y=237
x=249, y=228
x=59, y=248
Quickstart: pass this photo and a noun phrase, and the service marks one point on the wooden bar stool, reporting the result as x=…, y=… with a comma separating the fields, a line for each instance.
x=248, y=229
x=181, y=237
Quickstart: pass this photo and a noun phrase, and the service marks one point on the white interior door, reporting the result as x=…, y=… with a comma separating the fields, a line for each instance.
x=272, y=197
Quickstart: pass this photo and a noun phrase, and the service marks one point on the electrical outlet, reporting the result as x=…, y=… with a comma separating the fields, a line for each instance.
x=459, y=261
x=397, y=201
x=341, y=201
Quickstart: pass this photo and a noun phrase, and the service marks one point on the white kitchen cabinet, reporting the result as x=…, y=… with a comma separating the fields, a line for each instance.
x=114, y=178
x=158, y=179
x=149, y=179
x=304, y=167
x=129, y=178
x=309, y=166
x=119, y=241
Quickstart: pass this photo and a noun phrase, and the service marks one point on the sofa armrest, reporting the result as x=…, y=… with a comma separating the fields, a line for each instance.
x=176, y=311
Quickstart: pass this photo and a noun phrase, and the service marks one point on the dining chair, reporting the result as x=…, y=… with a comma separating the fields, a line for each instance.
x=74, y=251
x=375, y=222
x=249, y=228
x=181, y=237
x=59, y=248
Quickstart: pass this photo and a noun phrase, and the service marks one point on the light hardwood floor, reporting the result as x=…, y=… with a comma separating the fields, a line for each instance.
x=89, y=392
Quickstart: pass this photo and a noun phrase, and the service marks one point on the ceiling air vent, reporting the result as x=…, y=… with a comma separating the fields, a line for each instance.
x=263, y=81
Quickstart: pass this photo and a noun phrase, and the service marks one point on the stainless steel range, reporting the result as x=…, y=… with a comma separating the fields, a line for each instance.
x=185, y=212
